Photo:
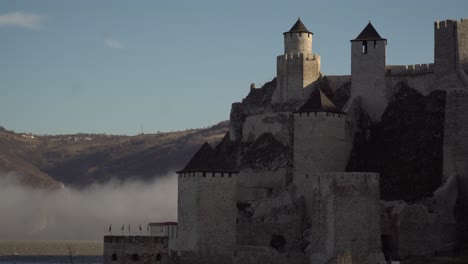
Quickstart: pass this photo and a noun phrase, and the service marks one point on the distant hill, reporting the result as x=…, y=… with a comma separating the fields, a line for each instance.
x=82, y=159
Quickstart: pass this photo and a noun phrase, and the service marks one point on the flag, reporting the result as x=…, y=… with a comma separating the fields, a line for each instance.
x=129, y=229
x=123, y=227
x=139, y=227
x=110, y=228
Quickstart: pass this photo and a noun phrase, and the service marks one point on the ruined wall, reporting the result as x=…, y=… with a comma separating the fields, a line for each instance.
x=343, y=211
x=411, y=230
x=319, y=143
x=278, y=124
x=135, y=249
x=207, y=212
x=456, y=137
x=368, y=76
x=295, y=71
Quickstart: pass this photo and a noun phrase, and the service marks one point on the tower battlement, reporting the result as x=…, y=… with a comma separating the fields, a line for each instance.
x=301, y=56
x=319, y=114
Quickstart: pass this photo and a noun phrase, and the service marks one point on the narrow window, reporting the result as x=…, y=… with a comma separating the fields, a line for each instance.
x=204, y=174
x=114, y=257
x=364, y=47
x=375, y=44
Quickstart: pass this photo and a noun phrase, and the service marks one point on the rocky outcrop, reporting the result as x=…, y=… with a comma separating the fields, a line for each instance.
x=405, y=147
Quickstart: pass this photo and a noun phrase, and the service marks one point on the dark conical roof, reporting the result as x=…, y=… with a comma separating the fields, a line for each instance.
x=298, y=27
x=369, y=33
x=201, y=161
x=318, y=102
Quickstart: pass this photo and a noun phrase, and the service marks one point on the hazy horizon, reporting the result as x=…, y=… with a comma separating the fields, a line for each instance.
x=86, y=214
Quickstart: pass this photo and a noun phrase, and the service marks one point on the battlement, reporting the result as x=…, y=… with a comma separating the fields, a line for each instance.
x=135, y=239
x=301, y=56
x=409, y=69
x=320, y=114
x=448, y=23
x=208, y=176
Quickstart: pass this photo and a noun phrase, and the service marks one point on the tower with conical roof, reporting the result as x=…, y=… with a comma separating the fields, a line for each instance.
x=368, y=62
x=298, y=67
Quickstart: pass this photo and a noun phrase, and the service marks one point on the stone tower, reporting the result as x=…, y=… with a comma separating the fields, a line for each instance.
x=319, y=136
x=368, y=62
x=206, y=208
x=450, y=46
x=298, y=68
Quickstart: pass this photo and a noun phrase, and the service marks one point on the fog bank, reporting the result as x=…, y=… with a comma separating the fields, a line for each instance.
x=71, y=214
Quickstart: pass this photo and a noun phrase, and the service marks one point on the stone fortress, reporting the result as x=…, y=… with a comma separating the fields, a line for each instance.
x=279, y=189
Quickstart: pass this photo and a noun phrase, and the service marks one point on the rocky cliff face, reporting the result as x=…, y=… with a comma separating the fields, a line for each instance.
x=405, y=147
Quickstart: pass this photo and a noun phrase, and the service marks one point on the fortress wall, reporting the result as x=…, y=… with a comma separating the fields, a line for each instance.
x=320, y=142
x=336, y=81
x=421, y=82
x=267, y=255
x=462, y=39
x=278, y=124
x=135, y=249
x=207, y=212
x=444, y=47
x=456, y=137
x=263, y=179
x=343, y=210
x=218, y=212
x=187, y=212
x=409, y=69
x=294, y=72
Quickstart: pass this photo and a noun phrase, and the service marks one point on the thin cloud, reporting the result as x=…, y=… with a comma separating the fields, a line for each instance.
x=20, y=19
x=113, y=43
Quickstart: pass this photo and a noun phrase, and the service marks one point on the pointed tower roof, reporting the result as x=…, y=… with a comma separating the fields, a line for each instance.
x=201, y=161
x=298, y=27
x=368, y=33
x=318, y=102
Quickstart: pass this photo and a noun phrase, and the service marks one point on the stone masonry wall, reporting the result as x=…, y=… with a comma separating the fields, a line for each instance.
x=368, y=76
x=298, y=43
x=135, y=249
x=209, y=213
x=462, y=42
x=320, y=143
x=295, y=71
x=343, y=211
x=456, y=137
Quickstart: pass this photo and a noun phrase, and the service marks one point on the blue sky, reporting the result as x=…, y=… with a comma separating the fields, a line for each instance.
x=113, y=66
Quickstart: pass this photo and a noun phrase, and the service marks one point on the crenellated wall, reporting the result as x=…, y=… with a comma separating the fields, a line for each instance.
x=298, y=42
x=295, y=71
x=207, y=212
x=320, y=143
x=135, y=249
x=343, y=210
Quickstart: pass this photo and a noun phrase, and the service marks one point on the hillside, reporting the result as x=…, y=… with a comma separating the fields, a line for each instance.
x=82, y=159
